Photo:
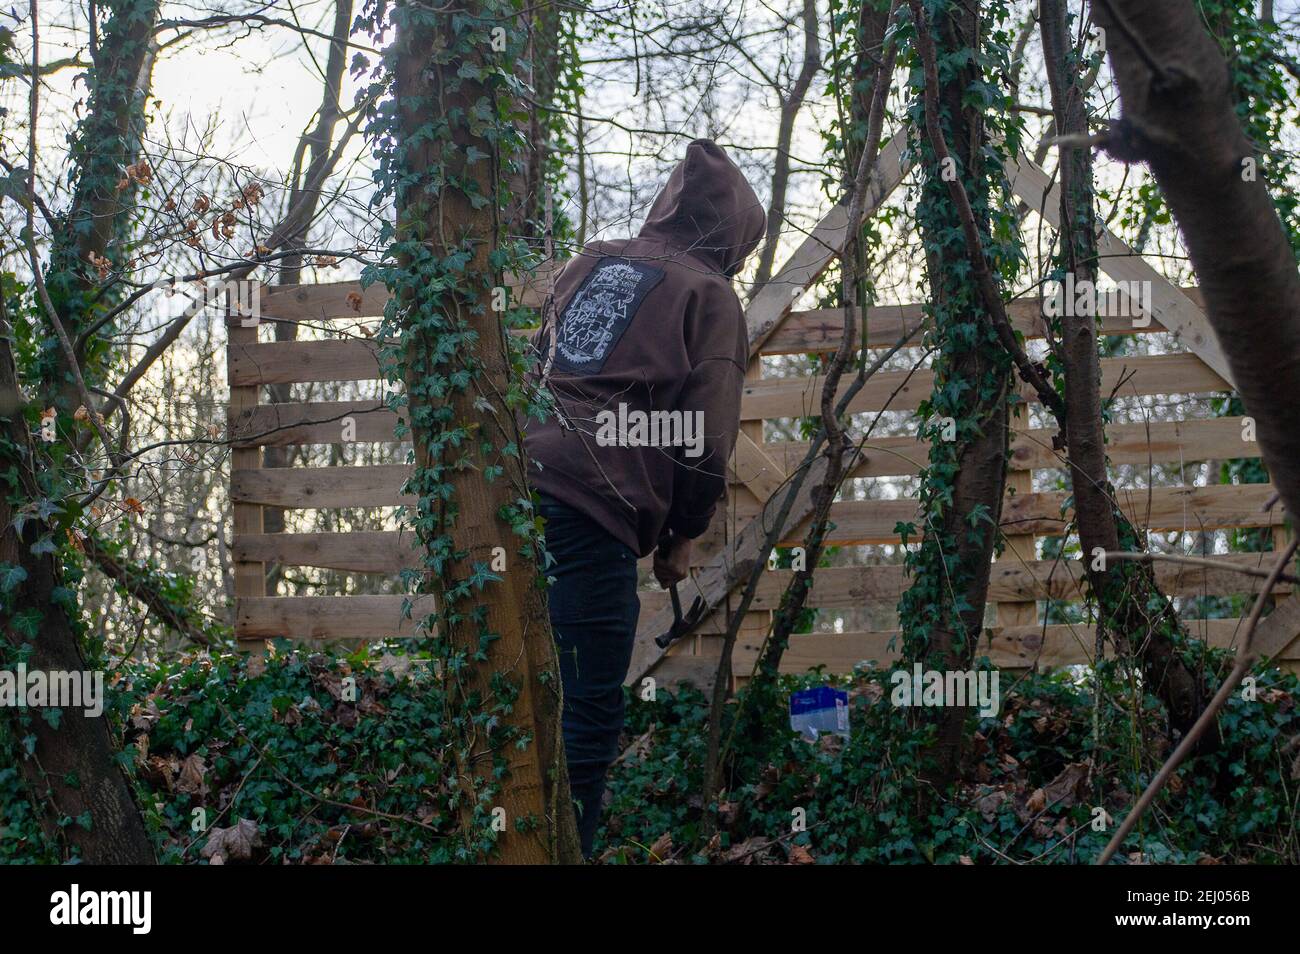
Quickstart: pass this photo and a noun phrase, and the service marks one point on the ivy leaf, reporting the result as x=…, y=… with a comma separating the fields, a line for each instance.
x=979, y=513
x=12, y=578
x=28, y=622
x=44, y=545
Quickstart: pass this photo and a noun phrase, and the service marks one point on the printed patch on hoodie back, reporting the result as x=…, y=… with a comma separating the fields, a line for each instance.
x=600, y=311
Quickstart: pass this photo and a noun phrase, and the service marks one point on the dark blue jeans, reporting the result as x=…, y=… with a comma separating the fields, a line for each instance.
x=594, y=609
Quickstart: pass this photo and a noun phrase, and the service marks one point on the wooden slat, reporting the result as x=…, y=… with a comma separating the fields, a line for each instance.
x=327, y=301
x=873, y=521
x=854, y=587
x=833, y=587
x=860, y=522
x=323, y=301
x=291, y=362
x=356, y=359
x=1018, y=548
x=1015, y=647
x=754, y=468
x=771, y=304
x=820, y=329
x=380, y=617
x=1174, y=310
x=1161, y=442
x=817, y=330
x=322, y=487
x=327, y=617
x=1278, y=634
x=249, y=576
x=368, y=551
x=1167, y=508
x=740, y=498
x=280, y=424
x=318, y=422
x=1142, y=375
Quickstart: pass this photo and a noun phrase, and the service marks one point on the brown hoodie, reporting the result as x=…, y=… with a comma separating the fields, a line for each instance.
x=649, y=360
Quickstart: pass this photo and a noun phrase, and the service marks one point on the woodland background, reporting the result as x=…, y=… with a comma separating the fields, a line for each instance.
x=167, y=141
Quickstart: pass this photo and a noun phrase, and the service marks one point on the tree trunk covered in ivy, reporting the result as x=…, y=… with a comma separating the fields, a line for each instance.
x=942, y=612
x=1130, y=607
x=95, y=227
x=1180, y=118
x=454, y=142
x=69, y=761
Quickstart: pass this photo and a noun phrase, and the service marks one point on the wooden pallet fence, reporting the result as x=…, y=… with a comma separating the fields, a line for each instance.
x=339, y=322
x=758, y=470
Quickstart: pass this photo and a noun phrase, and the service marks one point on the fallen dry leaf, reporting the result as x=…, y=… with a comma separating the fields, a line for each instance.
x=190, y=780
x=232, y=844
x=989, y=804
x=399, y=666
x=1068, y=786
x=145, y=716
x=727, y=813
x=800, y=855
x=662, y=847
x=745, y=851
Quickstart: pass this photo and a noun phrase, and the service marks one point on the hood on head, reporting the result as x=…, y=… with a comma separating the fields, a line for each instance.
x=708, y=208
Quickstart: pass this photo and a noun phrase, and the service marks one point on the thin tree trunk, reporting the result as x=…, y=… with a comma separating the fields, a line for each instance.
x=943, y=611
x=790, y=106
x=871, y=91
x=439, y=210
x=525, y=216
x=1126, y=592
x=584, y=195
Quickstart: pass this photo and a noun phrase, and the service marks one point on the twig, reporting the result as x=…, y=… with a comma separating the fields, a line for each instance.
x=1199, y=561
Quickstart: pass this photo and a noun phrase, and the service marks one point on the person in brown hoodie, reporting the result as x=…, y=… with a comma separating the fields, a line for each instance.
x=644, y=351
